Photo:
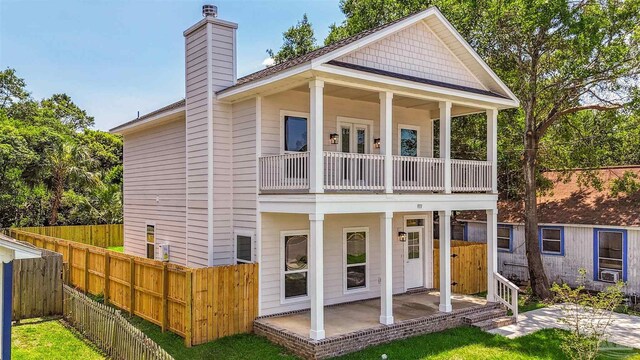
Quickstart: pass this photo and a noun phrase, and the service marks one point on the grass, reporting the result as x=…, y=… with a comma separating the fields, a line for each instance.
x=460, y=343
x=244, y=346
x=50, y=340
x=116, y=248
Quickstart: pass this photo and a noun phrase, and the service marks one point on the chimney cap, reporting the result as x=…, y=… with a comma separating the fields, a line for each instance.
x=209, y=10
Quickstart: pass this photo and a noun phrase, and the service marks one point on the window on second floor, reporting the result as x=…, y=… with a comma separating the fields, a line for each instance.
x=295, y=133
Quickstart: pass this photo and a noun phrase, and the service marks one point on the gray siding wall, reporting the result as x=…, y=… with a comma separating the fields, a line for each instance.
x=154, y=188
x=578, y=249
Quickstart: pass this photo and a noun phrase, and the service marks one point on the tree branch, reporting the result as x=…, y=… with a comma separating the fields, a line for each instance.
x=555, y=115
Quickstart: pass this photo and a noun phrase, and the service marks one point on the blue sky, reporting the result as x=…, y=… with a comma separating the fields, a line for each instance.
x=115, y=58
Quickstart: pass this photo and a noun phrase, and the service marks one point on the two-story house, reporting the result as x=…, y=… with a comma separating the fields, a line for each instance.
x=321, y=168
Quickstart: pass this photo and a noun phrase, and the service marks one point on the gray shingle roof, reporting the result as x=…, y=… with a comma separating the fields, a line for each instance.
x=175, y=105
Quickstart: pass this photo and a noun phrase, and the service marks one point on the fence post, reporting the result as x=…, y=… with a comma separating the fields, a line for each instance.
x=70, y=262
x=107, y=268
x=165, y=295
x=188, y=325
x=132, y=280
x=86, y=270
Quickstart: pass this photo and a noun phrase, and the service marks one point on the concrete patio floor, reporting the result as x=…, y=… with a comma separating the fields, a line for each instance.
x=346, y=318
x=623, y=330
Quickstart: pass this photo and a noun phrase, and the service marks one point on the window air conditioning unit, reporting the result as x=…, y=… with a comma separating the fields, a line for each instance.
x=609, y=275
x=164, y=251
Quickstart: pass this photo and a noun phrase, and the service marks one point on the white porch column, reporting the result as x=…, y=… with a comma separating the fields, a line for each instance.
x=316, y=163
x=386, y=251
x=445, y=142
x=445, y=260
x=316, y=275
x=492, y=252
x=492, y=147
x=386, y=138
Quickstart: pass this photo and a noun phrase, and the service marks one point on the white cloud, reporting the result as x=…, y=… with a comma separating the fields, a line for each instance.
x=268, y=62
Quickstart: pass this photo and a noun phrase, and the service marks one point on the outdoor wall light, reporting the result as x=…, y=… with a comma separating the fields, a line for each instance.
x=402, y=236
x=333, y=138
x=376, y=143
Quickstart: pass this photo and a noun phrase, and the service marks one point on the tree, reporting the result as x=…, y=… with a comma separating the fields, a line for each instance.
x=298, y=40
x=560, y=58
x=12, y=88
x=65, y=110
x=68, y=163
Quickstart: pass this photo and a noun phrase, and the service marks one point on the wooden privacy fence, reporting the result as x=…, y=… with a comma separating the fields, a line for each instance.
x=37, y=286
x=200, y=305
x=108, y=330
x=468, y=267
x=98, y=235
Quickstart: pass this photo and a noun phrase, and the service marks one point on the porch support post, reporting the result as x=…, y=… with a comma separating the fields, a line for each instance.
x=445, y=142
x=316, y=276
x=492, y=147
x=386, y=122
x=386, y=288
x=492, y=252
x=316, y=163
x=445, y=260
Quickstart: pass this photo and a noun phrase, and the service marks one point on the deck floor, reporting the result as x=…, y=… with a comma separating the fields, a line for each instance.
x=346, y=318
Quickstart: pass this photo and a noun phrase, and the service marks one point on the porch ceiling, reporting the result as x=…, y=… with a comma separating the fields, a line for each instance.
x=398, y=100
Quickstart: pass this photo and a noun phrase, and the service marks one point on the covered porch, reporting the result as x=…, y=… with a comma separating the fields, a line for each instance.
x=350, y=317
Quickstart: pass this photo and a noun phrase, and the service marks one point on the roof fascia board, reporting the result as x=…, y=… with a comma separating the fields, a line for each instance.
x=477, y=57
x=485, y=101
x=613, y=227
x=130, y=127
x=319, y=61
x=223, y=94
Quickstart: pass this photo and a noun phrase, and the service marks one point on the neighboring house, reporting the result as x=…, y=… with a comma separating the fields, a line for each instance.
x=321, y=169
x=579, y=227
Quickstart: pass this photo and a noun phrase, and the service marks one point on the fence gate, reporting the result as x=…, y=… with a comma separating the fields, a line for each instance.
x=468, y=267
x=37, y=286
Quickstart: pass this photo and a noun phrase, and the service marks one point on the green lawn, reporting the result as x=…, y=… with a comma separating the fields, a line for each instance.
x=116, y=248
x=49, y=340
x=461, y=343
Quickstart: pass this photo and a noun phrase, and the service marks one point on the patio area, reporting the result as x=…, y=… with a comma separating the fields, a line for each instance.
x=352, y=326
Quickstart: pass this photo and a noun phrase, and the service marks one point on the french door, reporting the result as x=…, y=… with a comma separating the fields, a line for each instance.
x=354, y=138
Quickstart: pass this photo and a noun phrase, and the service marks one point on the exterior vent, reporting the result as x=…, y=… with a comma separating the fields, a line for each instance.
x=209, y=10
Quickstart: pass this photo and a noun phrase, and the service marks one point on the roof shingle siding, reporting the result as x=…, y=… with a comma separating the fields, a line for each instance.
x=571, y=203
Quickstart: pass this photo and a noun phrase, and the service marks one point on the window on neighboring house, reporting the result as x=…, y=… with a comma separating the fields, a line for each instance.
x=151, y=241
x=295, y=133
x=244, y=248
x=551, y=240
x=296, y=268
x=355, y=260
x=504, y=237
x=610, y=247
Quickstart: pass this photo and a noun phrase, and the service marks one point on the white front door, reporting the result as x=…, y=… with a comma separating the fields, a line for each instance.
x=414, y=258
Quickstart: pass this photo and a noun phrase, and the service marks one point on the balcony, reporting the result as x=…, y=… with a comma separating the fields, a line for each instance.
x=352, y=172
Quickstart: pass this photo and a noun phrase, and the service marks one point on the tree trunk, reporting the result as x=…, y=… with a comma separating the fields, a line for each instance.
x=537, y=276
x=56, y=200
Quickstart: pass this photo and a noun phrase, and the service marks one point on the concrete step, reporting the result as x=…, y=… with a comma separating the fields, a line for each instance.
x=484, y=315
x=494, y=323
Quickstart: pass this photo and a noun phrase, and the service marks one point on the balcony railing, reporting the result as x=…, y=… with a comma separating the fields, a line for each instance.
x=470, y=176
x=365, y=172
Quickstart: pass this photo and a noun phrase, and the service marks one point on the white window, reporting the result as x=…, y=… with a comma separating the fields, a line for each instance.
x=151, y=241
x=356, y=253
x=244, y=247
x=295, y=250
x=610, y=254
x=504, y=238
x=551, y=240
x=294, y=131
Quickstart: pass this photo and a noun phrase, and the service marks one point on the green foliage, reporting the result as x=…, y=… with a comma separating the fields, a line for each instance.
x=53, y=169
x=298, y=40
x=628, y=184
x=587, y=316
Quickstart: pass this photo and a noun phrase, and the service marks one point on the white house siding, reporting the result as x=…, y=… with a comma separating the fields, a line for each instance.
x=415, y=51
x=271, y=263
x=197, y=125
x=578, y=250
x=209, y=67
x=244, y=166
x=333, y=108
x=154, y=188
